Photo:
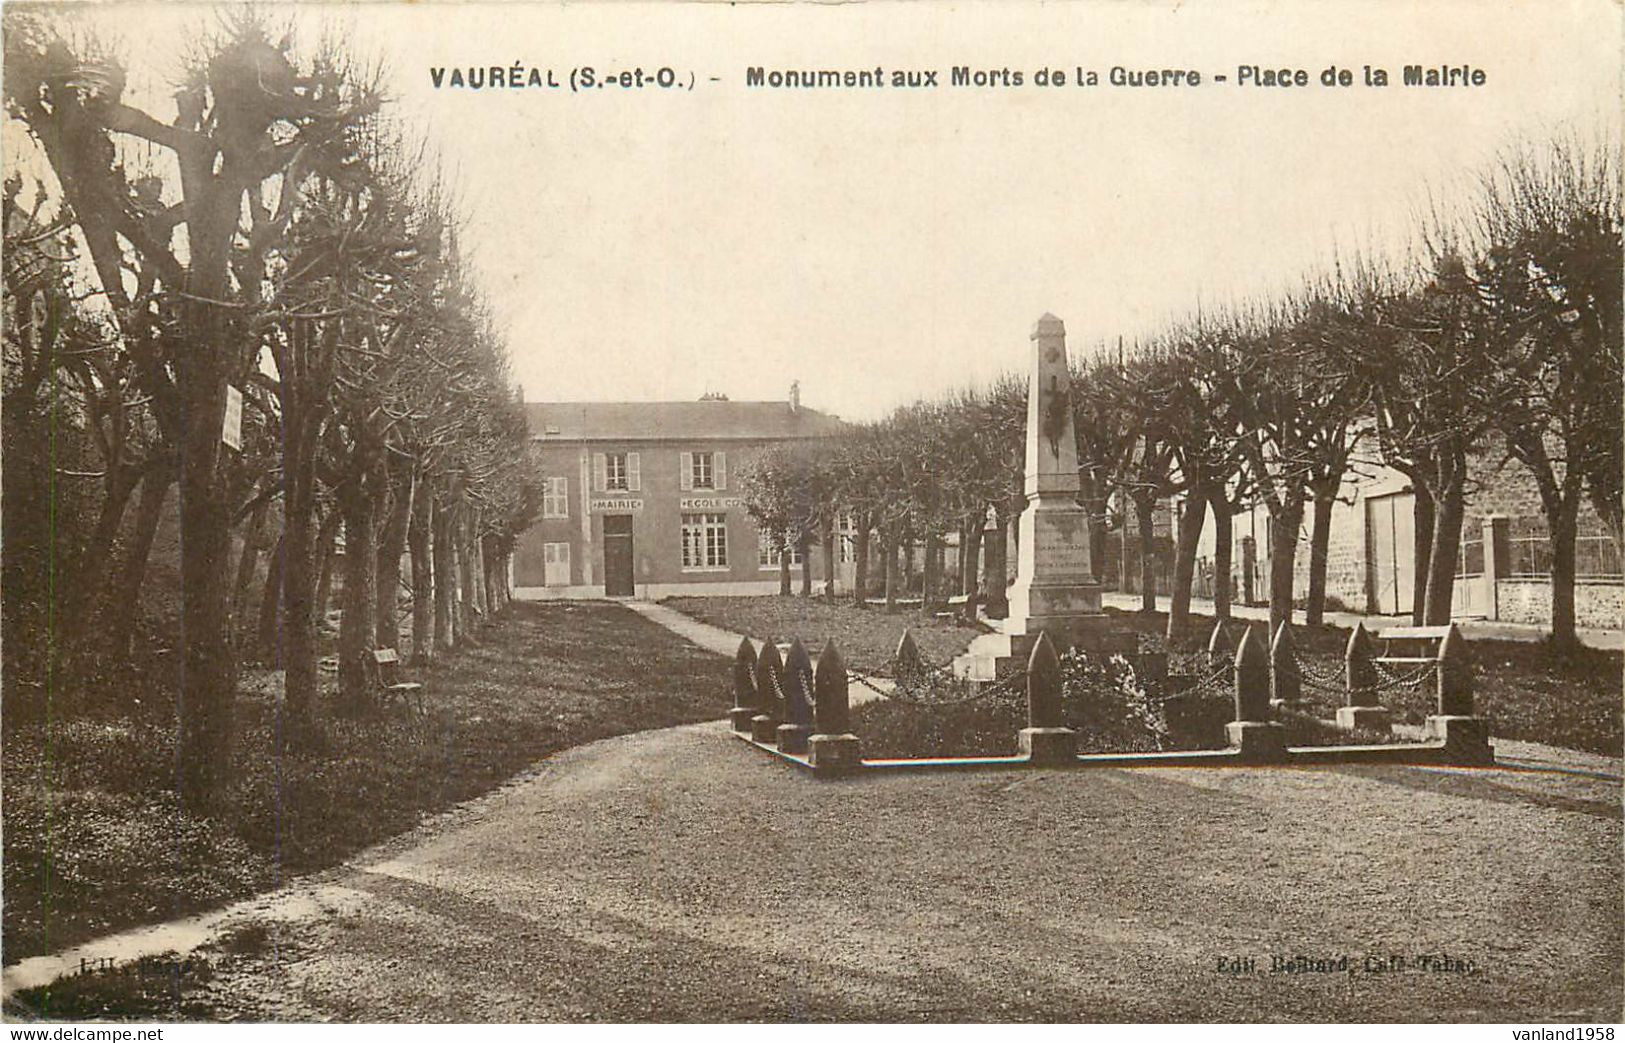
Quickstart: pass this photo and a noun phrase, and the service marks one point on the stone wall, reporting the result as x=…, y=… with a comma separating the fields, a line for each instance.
x=1599, y=605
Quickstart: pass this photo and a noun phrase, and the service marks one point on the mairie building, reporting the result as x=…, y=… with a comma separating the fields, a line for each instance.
x=642, y=499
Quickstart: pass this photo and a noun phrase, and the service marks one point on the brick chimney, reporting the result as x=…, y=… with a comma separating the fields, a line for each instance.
x=795, y=396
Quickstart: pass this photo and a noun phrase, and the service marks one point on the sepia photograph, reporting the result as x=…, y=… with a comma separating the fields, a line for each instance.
x=797, y=512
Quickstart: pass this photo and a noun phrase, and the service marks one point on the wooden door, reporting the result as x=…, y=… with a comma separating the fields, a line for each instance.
x=1391, y=536
x=556, y=564
x=618, y=555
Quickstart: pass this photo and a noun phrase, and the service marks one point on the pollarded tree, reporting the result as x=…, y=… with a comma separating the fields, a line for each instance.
x=1425, y=355
x=788, y=490
x=1547, y=265
x=1200, y=433
x=1336, y=402
x=1269, y=384
x=247, y=119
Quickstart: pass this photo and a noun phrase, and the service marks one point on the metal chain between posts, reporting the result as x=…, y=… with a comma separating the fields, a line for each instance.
x=1332, y=681
x=1388, y=680
x=927, y=670
x=1216, y=682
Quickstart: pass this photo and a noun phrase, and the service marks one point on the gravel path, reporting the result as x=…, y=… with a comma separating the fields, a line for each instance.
x=726, y=642
x=678, y=875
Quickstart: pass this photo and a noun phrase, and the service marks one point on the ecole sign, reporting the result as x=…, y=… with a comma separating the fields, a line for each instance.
x=708, y=503
x=615, y=505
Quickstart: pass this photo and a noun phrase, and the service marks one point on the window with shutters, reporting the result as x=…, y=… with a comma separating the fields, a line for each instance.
x=703, y=471
x=556, y=498
x=705, y=541
x=615, y=472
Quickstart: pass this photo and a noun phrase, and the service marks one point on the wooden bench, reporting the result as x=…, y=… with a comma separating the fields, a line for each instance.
x=386, y=670
x=1412, y=645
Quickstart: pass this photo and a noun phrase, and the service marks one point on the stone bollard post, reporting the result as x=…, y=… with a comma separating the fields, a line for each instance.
x=908, y=666
x=1046, y=740
x=798, y=700
x=833, y=749
x=1286, y=686
x=744, y=707
x=1218, y=644
x=1466, y=737
x=764, y=727
x=1253, y=733
x=1360, y=709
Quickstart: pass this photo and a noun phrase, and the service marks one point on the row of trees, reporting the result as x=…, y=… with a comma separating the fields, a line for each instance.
x=1505, y=336
x=274, y=244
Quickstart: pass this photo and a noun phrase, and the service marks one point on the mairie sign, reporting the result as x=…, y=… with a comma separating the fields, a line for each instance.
x=709, y=503
x=614, y=505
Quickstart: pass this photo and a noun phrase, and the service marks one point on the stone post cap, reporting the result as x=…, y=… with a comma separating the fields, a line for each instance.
x=1048, y=326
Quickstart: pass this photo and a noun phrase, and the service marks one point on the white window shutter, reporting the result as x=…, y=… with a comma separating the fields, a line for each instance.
x=599, y=472
x=685, y=471
x=634, y=481
x=721, y=474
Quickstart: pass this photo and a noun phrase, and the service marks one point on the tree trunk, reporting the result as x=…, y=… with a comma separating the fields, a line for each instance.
x=931, y=580
x=908, y=564
x=326, y=541
x=970, y=566
x=446, y=630
x=962, y=581
x=462, y=607
x=1096, y=508
x=1562, y=528
x=204, y=705
x=997, y=569
x=1191, y=519
x=1285, y=522
x=860, y=564
x=265, y=624
x=476, y=564
x=1224, y=545
x=76, y=613
x=121, y=604
x=307, y=570
x=358, y=624
x=1422, y=550
x=829, y=558
x=784, y=567
x=418, y=537
x=1449, y=509
x=247, y=564
x=891, y=572
x=391, y=544
x=1320, y=537
x=1145, y=517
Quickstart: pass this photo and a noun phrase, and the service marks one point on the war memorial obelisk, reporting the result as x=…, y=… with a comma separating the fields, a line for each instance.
x=1055, y=591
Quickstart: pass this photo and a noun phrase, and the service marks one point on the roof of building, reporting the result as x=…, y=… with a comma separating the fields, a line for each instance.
x=687, y=421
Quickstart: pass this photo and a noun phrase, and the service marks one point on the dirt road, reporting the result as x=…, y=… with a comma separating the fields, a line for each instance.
x=676, y=875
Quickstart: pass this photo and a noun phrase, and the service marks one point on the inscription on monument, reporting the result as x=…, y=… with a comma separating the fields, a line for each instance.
x=1060, y=559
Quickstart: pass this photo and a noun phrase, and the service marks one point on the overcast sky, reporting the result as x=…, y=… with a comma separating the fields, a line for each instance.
x=881, y=245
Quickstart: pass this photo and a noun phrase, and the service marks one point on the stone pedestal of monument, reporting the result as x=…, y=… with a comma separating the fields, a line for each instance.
x=1055, y=591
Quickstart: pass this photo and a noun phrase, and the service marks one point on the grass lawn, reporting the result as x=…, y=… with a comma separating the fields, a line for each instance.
x=96, y=842
x=867, y=637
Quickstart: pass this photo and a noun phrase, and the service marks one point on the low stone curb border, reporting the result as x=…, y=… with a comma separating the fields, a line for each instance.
x=1434, y=754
